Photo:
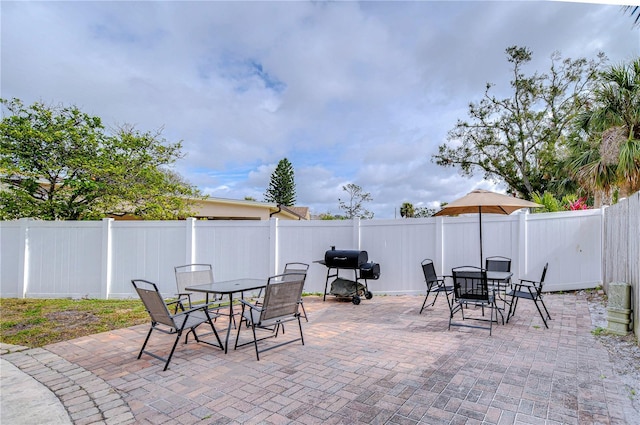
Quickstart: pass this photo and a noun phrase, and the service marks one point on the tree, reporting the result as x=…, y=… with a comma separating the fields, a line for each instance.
x=354, y=207
x=58, y=163
x=606, y=150
x=424, y=212
x=518, y=140
x=634, y=12
x=282, y=188
x=329, y=216
x=407, y=210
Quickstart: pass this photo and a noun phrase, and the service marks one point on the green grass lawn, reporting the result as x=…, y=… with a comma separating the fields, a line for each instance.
x=38, y=322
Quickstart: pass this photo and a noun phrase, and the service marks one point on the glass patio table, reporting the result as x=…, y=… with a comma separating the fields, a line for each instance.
x=229, y=287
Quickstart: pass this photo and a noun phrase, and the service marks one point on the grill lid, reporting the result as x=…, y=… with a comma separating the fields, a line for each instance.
x=346, y=259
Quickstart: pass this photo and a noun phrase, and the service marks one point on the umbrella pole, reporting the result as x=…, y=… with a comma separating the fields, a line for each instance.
x=480, y=221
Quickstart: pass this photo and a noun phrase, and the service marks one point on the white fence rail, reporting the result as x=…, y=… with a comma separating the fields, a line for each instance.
x=99, y=259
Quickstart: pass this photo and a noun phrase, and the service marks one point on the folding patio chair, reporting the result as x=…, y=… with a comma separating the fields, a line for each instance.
x=193, y=274
x=281, y=301
x=296, y=268
x=530, y=290
x=435, y=284
x=163, y=321
x=470, y=287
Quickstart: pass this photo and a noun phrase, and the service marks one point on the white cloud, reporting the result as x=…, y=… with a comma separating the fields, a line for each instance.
x=348, y=92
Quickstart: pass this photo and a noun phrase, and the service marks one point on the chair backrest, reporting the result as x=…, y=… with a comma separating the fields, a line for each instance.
x=294, y=269
x=498, y=264
x=429, y=271
x=153, y=302
x=470, y=284
x=544, y=274
x=282, y=296
x=193, y=274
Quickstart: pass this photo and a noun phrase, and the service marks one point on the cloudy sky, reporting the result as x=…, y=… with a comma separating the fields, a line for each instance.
x=349, y=92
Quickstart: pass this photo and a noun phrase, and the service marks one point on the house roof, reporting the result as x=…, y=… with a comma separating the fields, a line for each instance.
x=224, y=208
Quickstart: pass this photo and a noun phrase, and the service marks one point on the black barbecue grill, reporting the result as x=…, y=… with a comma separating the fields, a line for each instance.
x=358, y=261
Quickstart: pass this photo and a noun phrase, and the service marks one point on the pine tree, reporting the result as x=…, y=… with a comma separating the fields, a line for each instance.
x=282, y=188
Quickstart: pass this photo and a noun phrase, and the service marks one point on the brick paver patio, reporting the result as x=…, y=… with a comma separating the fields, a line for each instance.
x=376, y=363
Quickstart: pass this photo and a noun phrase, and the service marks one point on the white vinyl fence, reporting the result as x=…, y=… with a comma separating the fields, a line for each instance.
x=98, y=259
x=621, y=254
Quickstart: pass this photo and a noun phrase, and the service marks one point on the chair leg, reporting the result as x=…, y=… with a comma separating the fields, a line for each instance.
x=449, y=303
x=304, y=311
x=173, y=349
x=239, y=327
x=300, y=326
x=255, y=341
x=545, y=308
x=145, y=342
x=498, y=311
x=512, y=307
x=541, y=315
x=490, y=318
x=425, y=301
x=213, y=328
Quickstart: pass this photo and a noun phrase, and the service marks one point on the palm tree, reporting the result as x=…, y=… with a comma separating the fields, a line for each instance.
x=633, y=11
x=612, y=126
x=407, y=210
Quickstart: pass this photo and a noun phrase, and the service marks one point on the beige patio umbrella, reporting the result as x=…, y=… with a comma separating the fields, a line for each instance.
x=483, y=201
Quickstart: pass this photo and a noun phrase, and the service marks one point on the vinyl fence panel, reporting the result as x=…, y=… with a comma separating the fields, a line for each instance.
x=621, y=255
x=571, y=242
x=234, y=248
x=146, y=250
x=399, y=246
x=12, y=250
x=64, y=258
x=99, y=259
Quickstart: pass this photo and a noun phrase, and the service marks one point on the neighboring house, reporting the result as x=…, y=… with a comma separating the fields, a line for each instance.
x=231, y=209
x=234, y=209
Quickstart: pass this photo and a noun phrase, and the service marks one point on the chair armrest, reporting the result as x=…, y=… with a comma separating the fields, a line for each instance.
x=202, y=307
x=178, y=302
x=250, y=305
x=184, y=296
x=528, y=282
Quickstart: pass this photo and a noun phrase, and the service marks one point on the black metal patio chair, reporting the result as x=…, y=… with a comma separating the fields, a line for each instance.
x=281, y=304
x=470, y=287
x=530, y=290
x=435, y=284
x=175, y=324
